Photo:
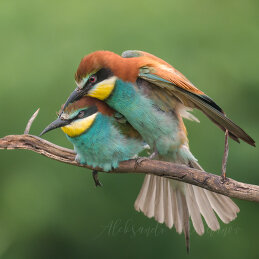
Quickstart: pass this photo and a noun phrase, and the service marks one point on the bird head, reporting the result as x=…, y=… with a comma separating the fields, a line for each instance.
x=97, y=74
x=79, y=116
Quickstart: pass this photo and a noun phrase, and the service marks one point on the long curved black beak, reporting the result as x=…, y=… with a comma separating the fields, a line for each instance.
x=55, y=124
x=74, y=96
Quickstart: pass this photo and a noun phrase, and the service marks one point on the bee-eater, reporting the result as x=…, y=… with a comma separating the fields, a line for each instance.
x=153, y=97
x=99, y=139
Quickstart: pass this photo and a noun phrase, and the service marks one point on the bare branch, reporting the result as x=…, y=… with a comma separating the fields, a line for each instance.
x=31, y=120
x=177, y=172
x=214, y=183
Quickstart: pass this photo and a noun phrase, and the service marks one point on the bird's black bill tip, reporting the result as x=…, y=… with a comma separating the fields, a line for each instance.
x=74, y=96
x=44, y=131
x=54, y=125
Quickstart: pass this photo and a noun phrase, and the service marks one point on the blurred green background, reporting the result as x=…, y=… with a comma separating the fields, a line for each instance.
x=52, y=210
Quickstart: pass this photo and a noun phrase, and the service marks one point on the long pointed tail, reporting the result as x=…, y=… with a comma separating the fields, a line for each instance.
x=172, y=202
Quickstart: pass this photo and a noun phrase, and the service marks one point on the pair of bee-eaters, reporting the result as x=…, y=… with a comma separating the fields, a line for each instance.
x=123, y=102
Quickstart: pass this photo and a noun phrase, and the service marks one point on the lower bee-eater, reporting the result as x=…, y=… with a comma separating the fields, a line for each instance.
x=99, y=139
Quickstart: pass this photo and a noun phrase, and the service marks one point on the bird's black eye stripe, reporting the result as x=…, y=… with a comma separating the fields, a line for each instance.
x=99, y=76
x=103, y=74
x=87, y=112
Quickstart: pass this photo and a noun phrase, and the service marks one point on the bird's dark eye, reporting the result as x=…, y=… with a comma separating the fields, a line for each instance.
x=81, y=114
x=92, y=79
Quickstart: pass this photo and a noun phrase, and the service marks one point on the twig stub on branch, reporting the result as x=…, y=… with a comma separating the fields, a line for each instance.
x=31, y=120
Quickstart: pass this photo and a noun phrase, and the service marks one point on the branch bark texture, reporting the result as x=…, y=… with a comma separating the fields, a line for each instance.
x=177, y=172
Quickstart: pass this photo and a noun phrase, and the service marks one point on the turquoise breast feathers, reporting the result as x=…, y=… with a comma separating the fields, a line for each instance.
x=98, y=136
x=103, y=145
x=158, y=128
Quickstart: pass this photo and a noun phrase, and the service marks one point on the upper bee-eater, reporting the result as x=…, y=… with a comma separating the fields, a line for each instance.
x=99, y=139
x=153, y=97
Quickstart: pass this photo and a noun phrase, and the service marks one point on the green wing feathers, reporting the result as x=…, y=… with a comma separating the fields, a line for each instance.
x=203, y=103
x=173, y=83
x=216, y=114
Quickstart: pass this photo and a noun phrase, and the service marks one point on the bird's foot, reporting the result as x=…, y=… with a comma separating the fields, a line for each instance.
x=139, y=160
x=96, y=179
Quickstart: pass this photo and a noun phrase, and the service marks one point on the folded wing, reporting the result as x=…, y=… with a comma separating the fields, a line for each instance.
x=163, y=75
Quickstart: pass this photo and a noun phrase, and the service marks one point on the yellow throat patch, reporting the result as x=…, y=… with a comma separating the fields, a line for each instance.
x=103, y=89
x=76, y=128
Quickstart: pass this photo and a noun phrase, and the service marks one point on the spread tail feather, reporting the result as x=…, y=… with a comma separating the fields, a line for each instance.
x=172, y=202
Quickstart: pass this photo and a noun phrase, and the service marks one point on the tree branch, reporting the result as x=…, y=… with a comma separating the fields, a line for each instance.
x=31, y=120
x=174, y=171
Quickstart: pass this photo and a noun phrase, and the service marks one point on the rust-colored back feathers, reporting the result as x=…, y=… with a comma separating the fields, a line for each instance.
x=127, y=69
x=87, y=101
